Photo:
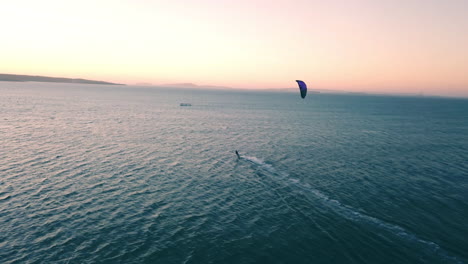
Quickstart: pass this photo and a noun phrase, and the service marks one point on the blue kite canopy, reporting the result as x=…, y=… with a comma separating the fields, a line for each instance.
x=302, y=88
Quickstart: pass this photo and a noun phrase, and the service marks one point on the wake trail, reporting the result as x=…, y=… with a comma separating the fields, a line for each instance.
x=271, y=169
x=346, y=211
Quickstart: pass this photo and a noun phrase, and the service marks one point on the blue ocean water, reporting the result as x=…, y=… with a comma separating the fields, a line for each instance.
x=124, y=174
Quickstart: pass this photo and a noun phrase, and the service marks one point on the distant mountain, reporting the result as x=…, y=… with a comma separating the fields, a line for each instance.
x=31, y=78
x=192, y=85
x=310, y=90
x=181, y=85
x=143, y=84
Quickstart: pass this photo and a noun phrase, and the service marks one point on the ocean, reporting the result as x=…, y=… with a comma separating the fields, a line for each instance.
x=124, y=174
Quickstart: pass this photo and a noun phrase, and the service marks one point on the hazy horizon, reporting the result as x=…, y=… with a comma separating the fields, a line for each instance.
x=201, y=87
x=414, y=47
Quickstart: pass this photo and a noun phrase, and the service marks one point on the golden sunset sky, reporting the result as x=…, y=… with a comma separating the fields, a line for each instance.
x=410, y=46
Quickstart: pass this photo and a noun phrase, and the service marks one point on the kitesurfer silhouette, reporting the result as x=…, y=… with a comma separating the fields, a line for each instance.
x=237, y=153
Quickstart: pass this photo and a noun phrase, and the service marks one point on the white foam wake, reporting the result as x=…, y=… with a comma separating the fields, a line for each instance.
x=353, y=214
x=265, y=166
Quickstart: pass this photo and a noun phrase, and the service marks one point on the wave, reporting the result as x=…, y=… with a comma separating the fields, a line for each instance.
x=264, y=165
x=351, y=213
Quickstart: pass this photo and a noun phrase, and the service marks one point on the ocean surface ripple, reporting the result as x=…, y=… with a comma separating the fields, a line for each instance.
x=108, y=174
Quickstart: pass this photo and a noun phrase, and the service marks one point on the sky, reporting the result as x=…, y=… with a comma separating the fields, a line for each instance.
x=410, y=46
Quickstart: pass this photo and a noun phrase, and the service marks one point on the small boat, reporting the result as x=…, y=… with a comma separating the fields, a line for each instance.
x=185, y=104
